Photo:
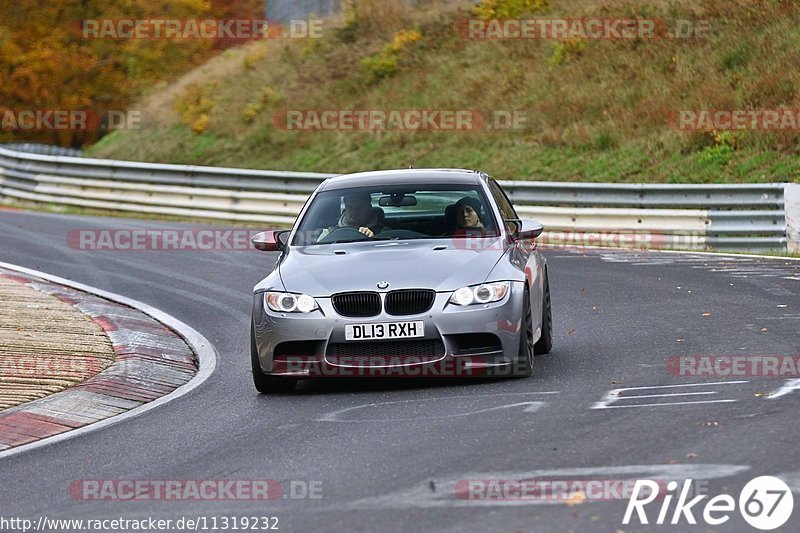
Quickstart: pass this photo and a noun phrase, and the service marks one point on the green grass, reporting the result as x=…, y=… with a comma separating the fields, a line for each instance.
x=597, y=114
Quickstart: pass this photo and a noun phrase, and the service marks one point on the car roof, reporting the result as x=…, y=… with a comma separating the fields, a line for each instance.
x=404, y=177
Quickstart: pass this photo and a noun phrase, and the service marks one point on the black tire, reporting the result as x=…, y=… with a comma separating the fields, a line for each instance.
x=266, y=384
x=523, y=366
x=545, y=342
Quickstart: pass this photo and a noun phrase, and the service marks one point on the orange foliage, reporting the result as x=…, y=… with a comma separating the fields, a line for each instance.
x=46, y=63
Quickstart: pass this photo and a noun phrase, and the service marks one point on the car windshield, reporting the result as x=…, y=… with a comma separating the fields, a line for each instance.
x=399, y=212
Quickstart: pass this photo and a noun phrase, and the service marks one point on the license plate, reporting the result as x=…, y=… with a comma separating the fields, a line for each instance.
x=384, y=330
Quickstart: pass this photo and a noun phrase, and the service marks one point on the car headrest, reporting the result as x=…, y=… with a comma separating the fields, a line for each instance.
x=329, y=214
x=450, y=216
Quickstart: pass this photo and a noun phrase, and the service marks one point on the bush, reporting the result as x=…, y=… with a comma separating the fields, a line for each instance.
x=508, y=9
x=251, y=111
x=379, y=67
x=200, y=125
x=386, y=62
x=567, y=51
x=270, y=96
x=253, y=57
x=720, y=153
x=401, y=40
x=193, y=107
x=605, y=141
x=715, y=156
x=349, y=32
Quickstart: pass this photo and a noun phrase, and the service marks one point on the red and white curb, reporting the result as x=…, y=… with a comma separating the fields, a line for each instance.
x=158, y=359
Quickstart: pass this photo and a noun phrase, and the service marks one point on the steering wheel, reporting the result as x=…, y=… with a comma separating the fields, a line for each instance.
x=349, y=234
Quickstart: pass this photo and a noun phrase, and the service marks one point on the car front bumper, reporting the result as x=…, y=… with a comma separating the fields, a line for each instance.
x=469, y=340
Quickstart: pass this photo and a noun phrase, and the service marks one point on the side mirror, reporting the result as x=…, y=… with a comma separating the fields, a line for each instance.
x=528, y=229
x=270, y=241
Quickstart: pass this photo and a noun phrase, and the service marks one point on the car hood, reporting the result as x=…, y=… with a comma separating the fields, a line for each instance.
x=440, y=265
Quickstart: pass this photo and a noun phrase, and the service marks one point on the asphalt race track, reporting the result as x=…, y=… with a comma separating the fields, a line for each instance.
x=390, y=453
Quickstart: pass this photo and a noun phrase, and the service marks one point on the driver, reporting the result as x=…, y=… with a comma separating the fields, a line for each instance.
x=358, y=214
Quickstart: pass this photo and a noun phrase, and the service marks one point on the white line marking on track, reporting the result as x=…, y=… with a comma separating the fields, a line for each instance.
x=421, y=496
x=684, y=385
x=615, y=396
x=674, y=394
x=789, y=386
x=792, y=479
x=663, y=404
x=531, y=407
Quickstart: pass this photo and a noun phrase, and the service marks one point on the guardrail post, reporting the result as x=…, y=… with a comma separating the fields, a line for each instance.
x=792, y=198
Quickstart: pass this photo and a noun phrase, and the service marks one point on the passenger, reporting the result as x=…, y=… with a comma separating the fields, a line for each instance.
x=468, y=216
x=358, y=214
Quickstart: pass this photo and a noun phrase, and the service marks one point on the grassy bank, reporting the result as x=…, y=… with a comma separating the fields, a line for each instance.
x=596, y=110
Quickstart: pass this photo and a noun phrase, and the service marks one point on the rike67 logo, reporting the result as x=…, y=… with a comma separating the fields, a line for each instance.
x=765, y=503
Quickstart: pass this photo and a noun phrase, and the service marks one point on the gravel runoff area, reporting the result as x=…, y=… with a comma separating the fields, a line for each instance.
x=46, y=344
x=69, y=358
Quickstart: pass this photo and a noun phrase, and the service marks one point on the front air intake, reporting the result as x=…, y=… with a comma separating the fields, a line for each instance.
x=357, y=304
x=409, y=302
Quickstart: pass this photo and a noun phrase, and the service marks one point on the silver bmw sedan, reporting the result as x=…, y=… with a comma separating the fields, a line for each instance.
x=401, y=273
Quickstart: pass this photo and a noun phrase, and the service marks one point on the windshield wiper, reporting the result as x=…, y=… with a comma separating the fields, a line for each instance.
x=370, y=239
x=340, y=241
x=367, y=239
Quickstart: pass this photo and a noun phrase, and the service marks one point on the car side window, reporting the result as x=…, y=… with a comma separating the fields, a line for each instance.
x=506, y=209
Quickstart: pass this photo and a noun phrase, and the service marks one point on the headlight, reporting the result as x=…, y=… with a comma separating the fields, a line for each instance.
x=480, y=294
x=287, y=302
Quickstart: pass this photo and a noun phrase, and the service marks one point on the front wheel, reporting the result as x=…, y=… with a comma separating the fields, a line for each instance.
x=266, y=384
x=545, y=342
x=524, y=364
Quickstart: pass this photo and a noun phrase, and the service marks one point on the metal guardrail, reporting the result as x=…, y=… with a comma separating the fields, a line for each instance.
x=767, y=196
x=746, y=217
